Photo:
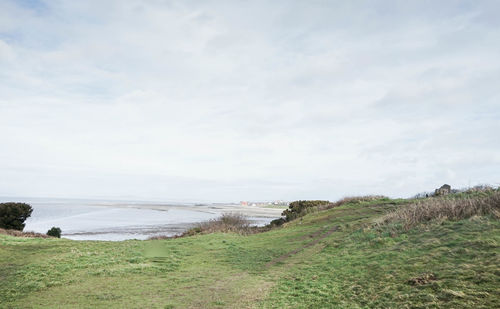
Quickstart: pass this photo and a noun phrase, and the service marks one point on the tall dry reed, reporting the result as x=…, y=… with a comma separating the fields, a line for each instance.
x=444, y=209
x=225, y=223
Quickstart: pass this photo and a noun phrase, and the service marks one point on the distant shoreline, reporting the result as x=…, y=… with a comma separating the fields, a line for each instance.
x=251, y=211
x=121, y=220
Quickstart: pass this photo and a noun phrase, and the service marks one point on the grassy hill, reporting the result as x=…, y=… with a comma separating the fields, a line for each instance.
x=353, y=255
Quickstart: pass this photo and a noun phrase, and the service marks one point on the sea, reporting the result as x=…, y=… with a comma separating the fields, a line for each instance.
x=113, y=220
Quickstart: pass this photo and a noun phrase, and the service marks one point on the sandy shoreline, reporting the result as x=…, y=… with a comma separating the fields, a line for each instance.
x=250, y=211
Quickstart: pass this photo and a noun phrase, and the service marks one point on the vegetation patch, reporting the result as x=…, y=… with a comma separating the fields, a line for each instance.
x=226, y=223
x=444, y=209
x=54, y=232
x=301, y=208
x=13, y=215
x=358, y=199
x=17, y=233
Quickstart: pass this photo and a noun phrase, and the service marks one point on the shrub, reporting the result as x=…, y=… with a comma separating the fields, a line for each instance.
x=277, y=222
x=13, y=215
x=225, y=223
x=54, y=232
x=300, y=208
x=192, y=231
x=444, y=208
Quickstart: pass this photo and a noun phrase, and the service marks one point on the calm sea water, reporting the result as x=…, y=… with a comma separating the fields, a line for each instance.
x=109, y=220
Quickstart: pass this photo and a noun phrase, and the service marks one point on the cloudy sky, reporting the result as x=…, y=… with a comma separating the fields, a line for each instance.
x=247, y=100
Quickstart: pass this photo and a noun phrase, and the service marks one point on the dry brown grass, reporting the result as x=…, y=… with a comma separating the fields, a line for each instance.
x=235, y=223
x=422, y=279
x=444, y=209
x=17, y=233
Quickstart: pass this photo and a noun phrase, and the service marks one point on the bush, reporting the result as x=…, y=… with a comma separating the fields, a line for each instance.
x=277, y=222
x=13, y=215
x=225, y=223
x=54, y=232
x=300, y=208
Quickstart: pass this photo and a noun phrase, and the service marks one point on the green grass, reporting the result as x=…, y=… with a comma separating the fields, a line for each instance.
x=305, y=264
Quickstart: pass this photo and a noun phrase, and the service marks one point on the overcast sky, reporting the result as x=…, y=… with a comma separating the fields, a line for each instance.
x=247, y=100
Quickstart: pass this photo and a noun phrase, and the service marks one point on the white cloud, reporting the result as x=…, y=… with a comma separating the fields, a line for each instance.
x=246, y=100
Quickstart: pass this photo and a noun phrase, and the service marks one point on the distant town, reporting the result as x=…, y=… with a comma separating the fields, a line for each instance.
x=262, y=204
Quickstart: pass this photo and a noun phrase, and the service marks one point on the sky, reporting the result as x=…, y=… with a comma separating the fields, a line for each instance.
x=247, y=100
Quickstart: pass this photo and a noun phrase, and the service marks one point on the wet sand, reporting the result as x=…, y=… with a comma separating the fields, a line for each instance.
x=121, y=220
x=250, y=211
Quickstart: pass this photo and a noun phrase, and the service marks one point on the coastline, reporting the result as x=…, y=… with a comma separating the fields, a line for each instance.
x=121, y=220
x=250, y=211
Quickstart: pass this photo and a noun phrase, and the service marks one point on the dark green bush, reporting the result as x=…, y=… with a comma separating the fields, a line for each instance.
x=277, y=222
x=13, y=215
x=299, y=208
x=54, y=232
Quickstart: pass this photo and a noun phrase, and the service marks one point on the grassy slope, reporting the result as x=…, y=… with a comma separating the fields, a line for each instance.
x=326, y=259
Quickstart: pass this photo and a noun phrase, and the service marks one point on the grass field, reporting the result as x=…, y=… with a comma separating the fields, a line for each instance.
x=336, y=258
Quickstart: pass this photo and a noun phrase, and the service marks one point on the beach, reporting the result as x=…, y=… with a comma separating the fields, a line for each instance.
x=123, y=220
x=250, y=211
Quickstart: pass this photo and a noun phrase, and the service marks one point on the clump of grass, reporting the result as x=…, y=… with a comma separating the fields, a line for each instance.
x=444, y=209
x=17, y=233
x=226, y=223
x=422, y=279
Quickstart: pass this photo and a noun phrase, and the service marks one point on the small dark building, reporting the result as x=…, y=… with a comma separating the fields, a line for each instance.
x=443, y=190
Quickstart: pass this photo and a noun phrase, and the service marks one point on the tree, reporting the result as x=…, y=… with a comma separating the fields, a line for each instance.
x=54, y=232
x=13, y=215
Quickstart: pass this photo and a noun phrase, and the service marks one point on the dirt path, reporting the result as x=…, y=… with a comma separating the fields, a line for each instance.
x=316, y=239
